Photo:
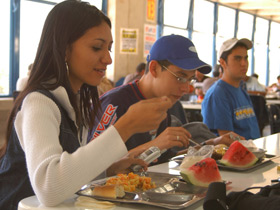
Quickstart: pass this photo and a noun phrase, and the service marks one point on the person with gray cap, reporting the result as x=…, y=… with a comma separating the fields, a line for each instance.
x=171, y=66
x=227, y=106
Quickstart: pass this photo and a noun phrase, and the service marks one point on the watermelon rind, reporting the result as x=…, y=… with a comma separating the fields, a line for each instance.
x=202, y=173
x=239, y=156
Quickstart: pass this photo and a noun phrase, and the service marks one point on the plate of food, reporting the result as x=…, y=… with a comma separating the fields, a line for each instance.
x=240, y=158
x=156, y=189
x=237, y=157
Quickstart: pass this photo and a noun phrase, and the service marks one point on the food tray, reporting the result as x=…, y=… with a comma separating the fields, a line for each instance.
x=171, y=192
x=260, y=162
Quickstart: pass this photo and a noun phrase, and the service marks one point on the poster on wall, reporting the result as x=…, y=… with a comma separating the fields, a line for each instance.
x=129, y=40
x=151, y=10
x=150, y=32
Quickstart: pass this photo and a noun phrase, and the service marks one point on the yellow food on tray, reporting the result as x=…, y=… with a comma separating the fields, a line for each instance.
x=131, y=182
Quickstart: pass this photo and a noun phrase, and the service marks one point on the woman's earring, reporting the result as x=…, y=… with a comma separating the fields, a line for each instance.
x=67, y=68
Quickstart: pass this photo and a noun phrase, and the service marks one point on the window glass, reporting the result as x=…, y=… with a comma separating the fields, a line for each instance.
x=274, y=35
x=226, y=25
x=203, y=44
x=274, y=65
x=170, y=30
x=245, y=25
x=260, y=47
x=274, y=45
x=5, y=47
x=261, y=30
x=203, y=16
x=32, y=18
x=260, y=61
x=176, y=14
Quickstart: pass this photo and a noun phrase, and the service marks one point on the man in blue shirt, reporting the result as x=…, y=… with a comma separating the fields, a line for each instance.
x=227, y=106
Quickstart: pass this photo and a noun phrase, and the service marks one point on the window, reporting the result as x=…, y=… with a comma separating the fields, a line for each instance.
x=32, y=18
x=170, y=30
x=176, y=15
x=245, y=25
x=5, y=47
x=260, y=47
x=203, y=16
x=274, y=45
x=225, y=26
x=202, y=36
x=203, y=44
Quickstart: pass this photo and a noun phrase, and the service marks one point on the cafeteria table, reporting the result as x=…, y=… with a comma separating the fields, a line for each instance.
x=260, y=176
x=187, y=105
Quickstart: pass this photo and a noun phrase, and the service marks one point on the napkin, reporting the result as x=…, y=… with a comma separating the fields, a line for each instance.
x=91, y=203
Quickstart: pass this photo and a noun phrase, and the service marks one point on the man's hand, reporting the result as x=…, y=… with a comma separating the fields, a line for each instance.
x=172, y=136
x=226, y=139
x=143, y=116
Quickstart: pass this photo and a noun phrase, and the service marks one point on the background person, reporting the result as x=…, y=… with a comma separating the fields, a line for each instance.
x=217, y=74
x=105, y=85
x=45, y=152
x=227, y=106
x=253, y=86
x=275, y=86
x=22, y=81
x=140, y=69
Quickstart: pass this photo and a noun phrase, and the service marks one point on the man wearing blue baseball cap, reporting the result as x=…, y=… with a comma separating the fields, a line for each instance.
x=227, y=106
x=171, y=66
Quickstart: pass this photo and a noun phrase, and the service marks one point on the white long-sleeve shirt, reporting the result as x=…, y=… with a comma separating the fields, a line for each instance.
x=56, y=175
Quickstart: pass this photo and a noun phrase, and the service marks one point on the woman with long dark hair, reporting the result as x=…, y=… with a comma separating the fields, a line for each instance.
x=45, y=152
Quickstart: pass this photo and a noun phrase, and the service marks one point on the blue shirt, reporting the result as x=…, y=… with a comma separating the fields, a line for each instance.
x=229, y=108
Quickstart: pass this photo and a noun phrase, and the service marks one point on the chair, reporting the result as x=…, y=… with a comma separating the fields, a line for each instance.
x=274, y=118
x=261, y=111
x=178, y=111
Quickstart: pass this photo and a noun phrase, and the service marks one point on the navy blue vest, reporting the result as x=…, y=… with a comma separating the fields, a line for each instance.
x=14, y=180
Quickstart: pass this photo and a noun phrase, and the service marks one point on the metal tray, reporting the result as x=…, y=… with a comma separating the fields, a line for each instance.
x=171, y=192
x=265, y=159
x=260, y=162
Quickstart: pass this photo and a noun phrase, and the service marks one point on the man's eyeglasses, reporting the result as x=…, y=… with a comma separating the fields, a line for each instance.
x=180, y=79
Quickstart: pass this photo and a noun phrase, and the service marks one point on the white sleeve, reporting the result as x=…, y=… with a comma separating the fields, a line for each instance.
x=56, y=175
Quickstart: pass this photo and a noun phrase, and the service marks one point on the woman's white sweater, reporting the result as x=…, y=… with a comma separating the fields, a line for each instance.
x=56, y=175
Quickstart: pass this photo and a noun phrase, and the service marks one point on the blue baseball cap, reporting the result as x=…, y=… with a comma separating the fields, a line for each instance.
x=180, y=51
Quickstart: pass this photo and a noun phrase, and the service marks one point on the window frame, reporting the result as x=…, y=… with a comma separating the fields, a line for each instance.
x=14, y=54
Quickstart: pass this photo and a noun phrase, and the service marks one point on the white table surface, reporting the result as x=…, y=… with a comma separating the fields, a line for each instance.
x=189, y=105
x=272, y=101
x=260, y=176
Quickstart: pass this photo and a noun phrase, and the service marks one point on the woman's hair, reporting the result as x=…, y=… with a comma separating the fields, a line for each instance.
x=65, y=24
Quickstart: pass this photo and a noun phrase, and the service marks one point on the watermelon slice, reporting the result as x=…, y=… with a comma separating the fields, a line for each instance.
x=202, y=173
x=238, y=156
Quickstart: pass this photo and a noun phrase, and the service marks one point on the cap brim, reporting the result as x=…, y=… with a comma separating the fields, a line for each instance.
x=190, y=64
